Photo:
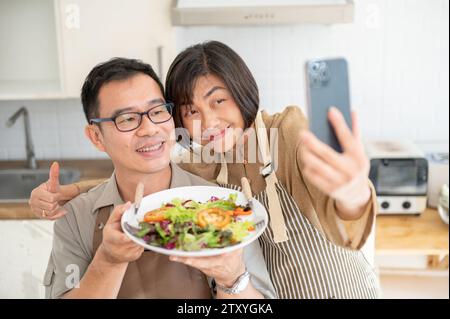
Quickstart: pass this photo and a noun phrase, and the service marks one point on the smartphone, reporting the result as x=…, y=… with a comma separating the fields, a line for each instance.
x=327, y=85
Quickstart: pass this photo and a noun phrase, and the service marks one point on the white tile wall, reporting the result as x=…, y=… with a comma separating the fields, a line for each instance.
x=57, y=130
x=398, y=53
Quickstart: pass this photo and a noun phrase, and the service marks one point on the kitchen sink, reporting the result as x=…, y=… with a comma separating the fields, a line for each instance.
x=16, y=184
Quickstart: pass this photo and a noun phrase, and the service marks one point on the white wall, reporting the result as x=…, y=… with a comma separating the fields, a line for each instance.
x=398, y=53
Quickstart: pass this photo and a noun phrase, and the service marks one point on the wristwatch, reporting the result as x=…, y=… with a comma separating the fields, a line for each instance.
x=239, y=285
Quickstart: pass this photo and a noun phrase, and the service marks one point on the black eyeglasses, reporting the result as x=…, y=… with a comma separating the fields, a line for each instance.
x=130, y=121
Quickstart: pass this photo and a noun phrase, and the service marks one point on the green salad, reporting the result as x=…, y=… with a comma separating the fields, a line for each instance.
x=190, y=225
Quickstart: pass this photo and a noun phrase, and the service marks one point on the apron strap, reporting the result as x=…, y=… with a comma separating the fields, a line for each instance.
x=222, y=178
x=263, y=143
x=276, y=214
x=102, y=218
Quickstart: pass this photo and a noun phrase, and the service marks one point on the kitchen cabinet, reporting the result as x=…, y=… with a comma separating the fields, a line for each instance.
x=29, y=59
x=94, y=31
x=49, y=46
x=25, y=252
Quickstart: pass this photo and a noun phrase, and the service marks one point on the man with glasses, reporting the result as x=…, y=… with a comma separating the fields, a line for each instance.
x=91, y=257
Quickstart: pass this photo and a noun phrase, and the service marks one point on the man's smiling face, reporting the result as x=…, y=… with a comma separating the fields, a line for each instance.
x=145, y=150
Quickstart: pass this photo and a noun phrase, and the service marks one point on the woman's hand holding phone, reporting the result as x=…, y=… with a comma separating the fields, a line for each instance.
x=342, y=176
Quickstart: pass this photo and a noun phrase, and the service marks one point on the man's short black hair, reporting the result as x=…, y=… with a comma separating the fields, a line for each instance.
x=116, y=69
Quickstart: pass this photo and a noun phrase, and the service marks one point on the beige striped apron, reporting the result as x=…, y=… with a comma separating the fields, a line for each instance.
x=301, y=261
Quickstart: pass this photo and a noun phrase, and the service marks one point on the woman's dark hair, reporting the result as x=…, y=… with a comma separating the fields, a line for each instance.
x=116, y=69
x=217, y=59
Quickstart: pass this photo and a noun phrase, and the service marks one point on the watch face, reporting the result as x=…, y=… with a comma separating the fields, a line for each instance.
x=239, y=286
x=241, y=283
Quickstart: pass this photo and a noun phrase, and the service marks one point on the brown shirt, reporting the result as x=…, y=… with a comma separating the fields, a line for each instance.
x=318, y=207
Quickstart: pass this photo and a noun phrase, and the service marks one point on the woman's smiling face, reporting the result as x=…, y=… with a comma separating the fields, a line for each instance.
x=213, y=117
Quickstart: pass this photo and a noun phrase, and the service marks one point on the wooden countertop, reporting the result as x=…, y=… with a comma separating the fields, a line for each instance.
x=90, y=169
x=425, y=234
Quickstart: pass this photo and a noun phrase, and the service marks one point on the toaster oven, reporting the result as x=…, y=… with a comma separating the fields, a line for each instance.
x=399, y=172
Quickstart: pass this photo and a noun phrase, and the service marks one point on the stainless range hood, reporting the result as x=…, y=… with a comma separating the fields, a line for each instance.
x=261, y=12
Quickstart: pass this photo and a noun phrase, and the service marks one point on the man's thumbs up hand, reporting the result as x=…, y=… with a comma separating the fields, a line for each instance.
x=46, y=200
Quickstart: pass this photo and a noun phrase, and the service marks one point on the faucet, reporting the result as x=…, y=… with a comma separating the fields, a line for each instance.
x=31, y=159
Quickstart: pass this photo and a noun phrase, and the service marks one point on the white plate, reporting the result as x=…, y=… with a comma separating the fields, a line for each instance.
x=201, y=194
